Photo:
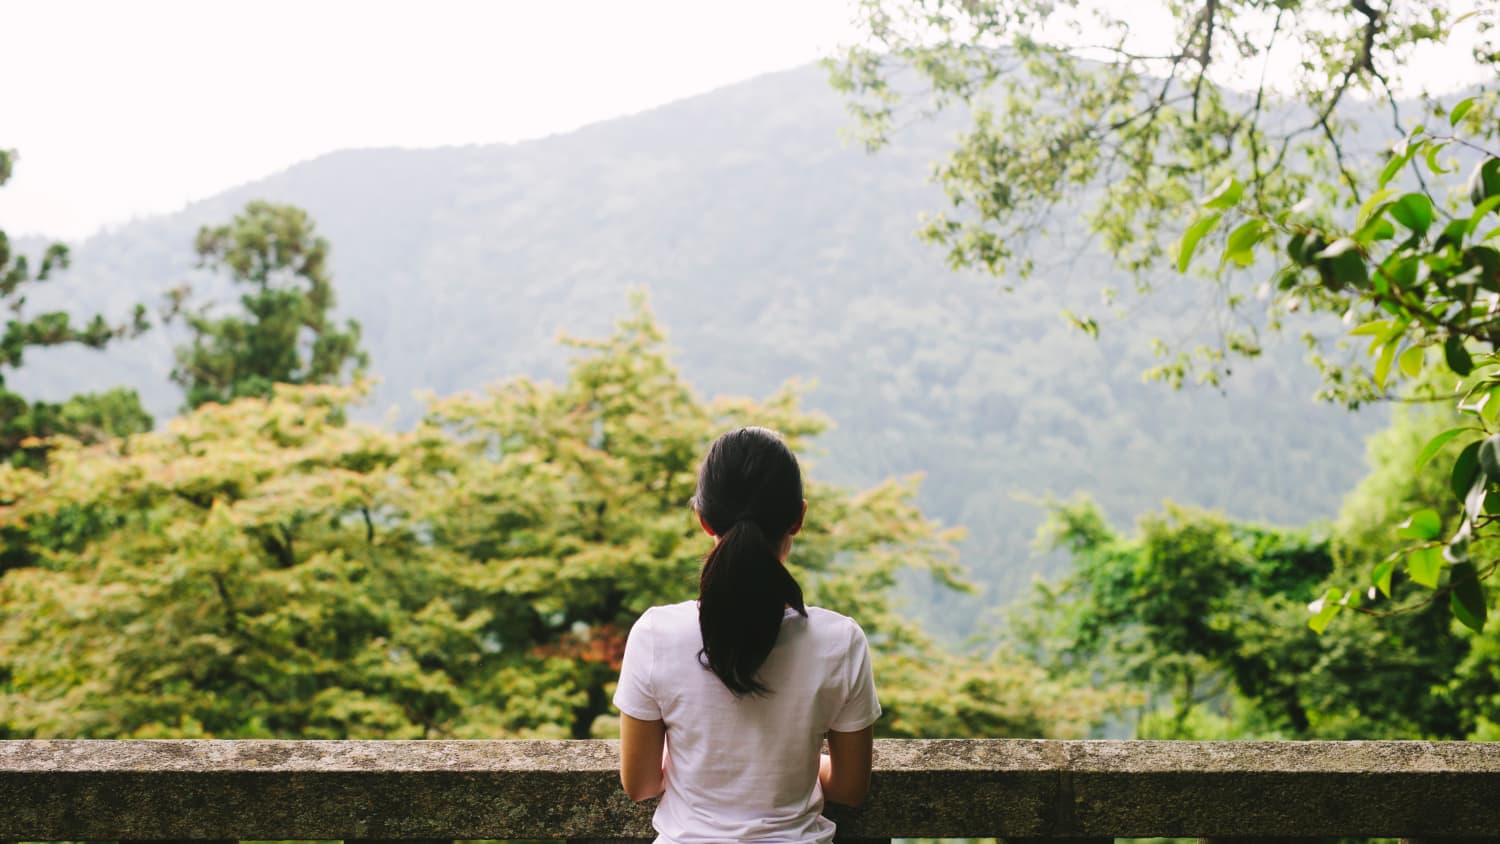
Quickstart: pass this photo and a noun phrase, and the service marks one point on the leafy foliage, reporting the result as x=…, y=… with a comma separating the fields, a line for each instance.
x=1377, y=246
x=267, y=568
x=288, y=337
x=1070, y=115
x=1420, y=280
x=87, y=416
x=1199, y=614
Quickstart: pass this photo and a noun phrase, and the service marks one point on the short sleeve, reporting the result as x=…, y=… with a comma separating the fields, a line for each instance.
x=861, y=708
x=634, y=694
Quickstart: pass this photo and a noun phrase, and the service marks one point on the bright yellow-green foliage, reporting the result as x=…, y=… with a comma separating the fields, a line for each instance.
x=268, y=568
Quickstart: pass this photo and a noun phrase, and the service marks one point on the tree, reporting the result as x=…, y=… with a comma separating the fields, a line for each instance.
x=1417, y=275
x=286, y=336
x=269, y=568
x=1199, y=614
x=1071, y=116
x=91, y=417
x=1408, y=265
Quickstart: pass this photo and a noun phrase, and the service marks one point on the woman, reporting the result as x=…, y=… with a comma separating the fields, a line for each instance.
x=725, y=701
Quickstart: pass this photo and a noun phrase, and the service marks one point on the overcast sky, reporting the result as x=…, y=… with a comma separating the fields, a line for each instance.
x=120, y=109
x=123, y=109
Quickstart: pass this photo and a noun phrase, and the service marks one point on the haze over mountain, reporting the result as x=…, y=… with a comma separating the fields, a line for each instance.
x=770, y=250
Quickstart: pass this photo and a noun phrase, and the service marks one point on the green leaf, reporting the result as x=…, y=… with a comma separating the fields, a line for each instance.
x=1402, y=269
x=1338, y=247
x=1457, y=356
x=1190, y=239
x=1393, y=167
x=1373, y=328
x=1413, y=210
x=1349, y=268
x=1425, y=565
x=1459, y=110
x=1424, y=524
x=1411, y=360
x=1391, y=337
x=1466, y=597
x=1383, y=363
x=1225, y=195
x=1489, y=409
x=1085, y=324
x=1368, y=208
x=1436, y=444
x=1324, y=609
x=1465, y=470
x=1374, y=229
x=1481, y=377
x=1432, y=163
x=1480, y=211
x=1452, y=234
x=1382, y=575
x=1492, y=504
x=1489, y=457
x=1484, y=182
x=1474, y=501
x=1241, y=241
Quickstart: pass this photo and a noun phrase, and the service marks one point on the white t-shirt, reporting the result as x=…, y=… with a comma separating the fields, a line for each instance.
x=746, y=769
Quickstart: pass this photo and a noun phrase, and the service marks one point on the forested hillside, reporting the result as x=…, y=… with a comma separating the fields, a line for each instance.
x=770, y=251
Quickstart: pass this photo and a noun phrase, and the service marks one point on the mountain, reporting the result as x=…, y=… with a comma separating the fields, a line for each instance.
x=771, y=250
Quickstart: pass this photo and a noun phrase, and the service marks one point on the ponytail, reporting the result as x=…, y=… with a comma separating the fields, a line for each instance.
x=744, y=588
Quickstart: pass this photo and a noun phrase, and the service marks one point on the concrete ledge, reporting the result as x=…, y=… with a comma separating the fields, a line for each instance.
x=388, y=790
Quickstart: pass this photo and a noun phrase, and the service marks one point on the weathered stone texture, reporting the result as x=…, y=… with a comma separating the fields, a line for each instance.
x=1014, y=789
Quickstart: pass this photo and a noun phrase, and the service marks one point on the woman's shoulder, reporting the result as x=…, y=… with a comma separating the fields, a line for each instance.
x=833, y=624
x=828, y=616
x=663, y=615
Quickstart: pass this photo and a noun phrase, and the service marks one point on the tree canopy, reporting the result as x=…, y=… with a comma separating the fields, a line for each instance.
x=266, y=567
x=1200, y=615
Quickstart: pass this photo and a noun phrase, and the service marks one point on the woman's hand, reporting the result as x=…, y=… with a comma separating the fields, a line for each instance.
x=643, y=757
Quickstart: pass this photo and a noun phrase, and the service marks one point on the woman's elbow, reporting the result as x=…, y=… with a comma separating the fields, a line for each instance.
x=638, y=791
x=851, y=795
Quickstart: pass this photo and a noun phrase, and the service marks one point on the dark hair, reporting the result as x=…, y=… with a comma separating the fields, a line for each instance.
x=750, y=496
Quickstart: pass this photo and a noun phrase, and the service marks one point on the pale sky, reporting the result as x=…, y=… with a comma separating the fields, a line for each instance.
x=120, y=109
x=127, y=109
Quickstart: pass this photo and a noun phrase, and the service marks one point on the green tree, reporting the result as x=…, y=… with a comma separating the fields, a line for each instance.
x=1415, y=274
x=1410, y=266
x=269, y=568
x=285, y=335
x=1199, y=614
x=91, y=417
x=1071, y=116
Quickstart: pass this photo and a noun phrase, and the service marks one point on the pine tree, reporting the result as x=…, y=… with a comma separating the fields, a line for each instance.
x=89, y=417
x=284, y=335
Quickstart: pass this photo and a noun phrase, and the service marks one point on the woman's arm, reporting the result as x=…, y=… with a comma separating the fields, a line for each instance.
x=845, y=772
x=643, y=761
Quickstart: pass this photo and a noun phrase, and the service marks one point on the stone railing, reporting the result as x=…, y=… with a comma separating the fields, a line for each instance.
x=1017, y=789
